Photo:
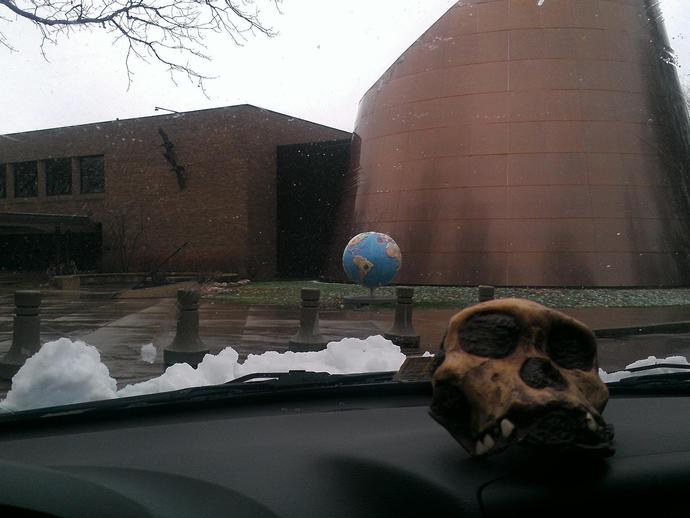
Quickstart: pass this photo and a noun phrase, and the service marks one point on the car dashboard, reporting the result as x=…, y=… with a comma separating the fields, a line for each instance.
x=337, y=452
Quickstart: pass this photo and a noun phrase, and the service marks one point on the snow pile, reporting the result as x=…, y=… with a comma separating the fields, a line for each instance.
x=349, y=356
x=219, y=288
x=647, y=362
x=65, y=372
x=148, y=353
x=652, y=360
x=213, y=370
x=62, y=372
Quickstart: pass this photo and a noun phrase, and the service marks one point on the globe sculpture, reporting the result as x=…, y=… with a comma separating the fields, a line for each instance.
x=372, y=259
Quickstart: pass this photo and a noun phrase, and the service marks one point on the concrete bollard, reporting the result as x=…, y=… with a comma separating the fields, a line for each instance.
x=486, y=293
x=26, y=338
x=186, y=347
x=309, y=337
x=402, y=333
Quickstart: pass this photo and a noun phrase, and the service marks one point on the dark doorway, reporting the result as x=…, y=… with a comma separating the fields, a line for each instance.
x=310, y=184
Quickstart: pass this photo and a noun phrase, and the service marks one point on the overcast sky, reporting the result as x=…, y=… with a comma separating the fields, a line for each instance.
x=327, y=54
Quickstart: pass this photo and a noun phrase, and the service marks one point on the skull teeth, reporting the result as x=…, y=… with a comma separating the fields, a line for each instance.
x=591, y=423
x=485, y=445
x=507, y=428
x=479, y=449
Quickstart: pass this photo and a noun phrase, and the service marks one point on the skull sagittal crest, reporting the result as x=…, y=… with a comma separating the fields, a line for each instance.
x=515, y=372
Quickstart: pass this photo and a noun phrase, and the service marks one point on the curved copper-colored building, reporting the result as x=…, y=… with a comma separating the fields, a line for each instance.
x=518, y=144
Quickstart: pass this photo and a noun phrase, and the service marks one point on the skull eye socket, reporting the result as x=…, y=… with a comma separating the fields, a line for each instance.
x=571, y=348
x=490, y=335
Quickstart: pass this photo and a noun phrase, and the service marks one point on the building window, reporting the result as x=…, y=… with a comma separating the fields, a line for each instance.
x=25, y=179
x=58, y=176
x=3, y=181
x=92, y=174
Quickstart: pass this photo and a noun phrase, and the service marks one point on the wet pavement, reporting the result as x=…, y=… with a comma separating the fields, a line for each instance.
x=120, y=326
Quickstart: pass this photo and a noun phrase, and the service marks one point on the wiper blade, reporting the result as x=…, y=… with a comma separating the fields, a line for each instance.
x=678, y=366
x=307, y=378
x=663, y=370
x=257, y=383
x=266, y=382
x=676, y=382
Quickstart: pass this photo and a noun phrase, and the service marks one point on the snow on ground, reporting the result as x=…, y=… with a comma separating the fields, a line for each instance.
x=611, y=377
x=65, y=372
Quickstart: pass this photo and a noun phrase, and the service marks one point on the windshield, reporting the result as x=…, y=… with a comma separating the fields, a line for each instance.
x=194, y=192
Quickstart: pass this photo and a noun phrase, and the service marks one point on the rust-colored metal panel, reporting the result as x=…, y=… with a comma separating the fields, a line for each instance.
x=518, y=144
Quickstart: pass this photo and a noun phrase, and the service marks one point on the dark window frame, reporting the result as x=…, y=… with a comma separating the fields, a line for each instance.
x=87, y=185
x=26, y=187
x=58, y=176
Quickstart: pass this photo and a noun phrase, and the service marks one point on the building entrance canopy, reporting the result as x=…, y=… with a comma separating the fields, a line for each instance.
x=40, y=242
x=14, y=223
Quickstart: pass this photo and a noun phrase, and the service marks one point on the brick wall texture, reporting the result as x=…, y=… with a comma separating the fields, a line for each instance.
x=227, y=212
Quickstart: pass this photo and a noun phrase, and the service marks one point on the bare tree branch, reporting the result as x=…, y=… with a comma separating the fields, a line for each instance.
x=169, y=31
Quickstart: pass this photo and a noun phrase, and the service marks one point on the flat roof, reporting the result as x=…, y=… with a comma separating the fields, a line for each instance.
x=173, y=115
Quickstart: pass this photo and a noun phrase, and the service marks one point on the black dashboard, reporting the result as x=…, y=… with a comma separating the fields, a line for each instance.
x=329, y=452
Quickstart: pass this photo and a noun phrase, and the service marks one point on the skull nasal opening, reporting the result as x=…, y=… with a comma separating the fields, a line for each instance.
x=539, y=373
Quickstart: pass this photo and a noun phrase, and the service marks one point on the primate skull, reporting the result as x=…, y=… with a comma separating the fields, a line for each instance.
x=513, y=371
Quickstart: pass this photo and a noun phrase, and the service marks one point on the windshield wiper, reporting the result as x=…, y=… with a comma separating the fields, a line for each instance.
x=673, y=382
x=295, y=378
x=678, y=366
x=269, y=384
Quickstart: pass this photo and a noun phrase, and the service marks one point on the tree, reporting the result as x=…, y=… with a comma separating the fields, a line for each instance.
x=125, y=231
x=169, y=31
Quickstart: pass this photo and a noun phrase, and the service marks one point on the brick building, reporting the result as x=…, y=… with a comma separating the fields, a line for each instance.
x=204, y=179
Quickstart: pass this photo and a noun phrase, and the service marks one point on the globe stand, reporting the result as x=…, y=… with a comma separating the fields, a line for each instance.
x=358, y=301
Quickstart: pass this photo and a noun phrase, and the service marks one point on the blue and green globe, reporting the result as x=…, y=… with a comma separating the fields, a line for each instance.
x=372, y=259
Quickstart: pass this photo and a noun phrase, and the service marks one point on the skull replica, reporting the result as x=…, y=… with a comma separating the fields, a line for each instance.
x=516, y=372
